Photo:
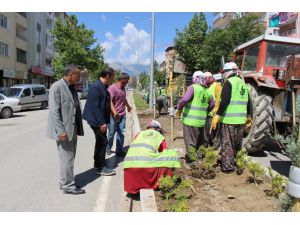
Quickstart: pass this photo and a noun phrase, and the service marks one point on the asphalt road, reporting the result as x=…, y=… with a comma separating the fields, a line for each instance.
x=29, y=170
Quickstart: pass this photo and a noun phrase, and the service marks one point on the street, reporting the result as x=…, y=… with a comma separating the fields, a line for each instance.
x=29, y=170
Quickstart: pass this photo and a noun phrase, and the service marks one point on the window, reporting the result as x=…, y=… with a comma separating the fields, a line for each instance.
x=27, y=92
x=39, y=91
x=21, y=56
x=48, y=61
x=3, y=21
x=38, y=27
x=251, y=58
x=1, y=97
x=277, y=53
x=3, y=49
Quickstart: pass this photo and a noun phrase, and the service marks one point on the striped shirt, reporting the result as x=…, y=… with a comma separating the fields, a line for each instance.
x=118, y=97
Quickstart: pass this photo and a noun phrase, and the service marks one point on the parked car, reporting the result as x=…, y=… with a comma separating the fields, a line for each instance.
x=9, y=105
x=30, y=95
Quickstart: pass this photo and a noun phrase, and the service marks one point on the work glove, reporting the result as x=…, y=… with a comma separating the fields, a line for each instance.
x=178, y=113
x=215, y=121
x=248, y=122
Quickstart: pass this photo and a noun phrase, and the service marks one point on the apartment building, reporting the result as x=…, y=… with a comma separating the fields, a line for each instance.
x=13, y=48
x=41, y=45
x=285, y=24
x=27, y=47
x=222, y=19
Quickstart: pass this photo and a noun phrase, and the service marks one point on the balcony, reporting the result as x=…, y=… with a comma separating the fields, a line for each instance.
x=24, y=14
x=21, y=20
x=288, y=21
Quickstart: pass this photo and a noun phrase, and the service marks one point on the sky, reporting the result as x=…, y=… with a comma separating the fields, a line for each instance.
x=126, y=37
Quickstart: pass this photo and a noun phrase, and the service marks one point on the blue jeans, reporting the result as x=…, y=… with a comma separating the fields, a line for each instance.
x=119, y=128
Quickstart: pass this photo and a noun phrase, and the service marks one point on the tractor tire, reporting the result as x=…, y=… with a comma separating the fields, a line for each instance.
x=262, y=121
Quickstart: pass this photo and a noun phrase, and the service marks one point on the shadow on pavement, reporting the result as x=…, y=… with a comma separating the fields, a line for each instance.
x=114, y=161
x=86, y=177
x=282, y=167
x=17, y=115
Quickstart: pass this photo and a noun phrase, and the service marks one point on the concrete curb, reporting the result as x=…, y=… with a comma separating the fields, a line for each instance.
x=147, y=197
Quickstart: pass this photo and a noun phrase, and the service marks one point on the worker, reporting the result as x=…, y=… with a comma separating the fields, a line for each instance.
x=162, y=100
x=196, y=103
x=215, y=91
x=232, y=114
x=148, y=159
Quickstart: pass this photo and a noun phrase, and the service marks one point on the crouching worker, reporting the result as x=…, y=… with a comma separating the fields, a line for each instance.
x=148, y=159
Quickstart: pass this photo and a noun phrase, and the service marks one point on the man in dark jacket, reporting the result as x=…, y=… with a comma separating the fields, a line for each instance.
x=97, y=113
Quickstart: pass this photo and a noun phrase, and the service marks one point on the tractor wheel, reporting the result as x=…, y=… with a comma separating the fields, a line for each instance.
x=262, y=119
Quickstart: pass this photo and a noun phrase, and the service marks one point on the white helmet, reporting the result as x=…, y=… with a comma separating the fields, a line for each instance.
x=229, y=66
x=198, y=74
x=218, y=76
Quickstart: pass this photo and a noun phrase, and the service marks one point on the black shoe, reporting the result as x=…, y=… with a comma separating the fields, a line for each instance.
x=106, y=171
x=76, y=191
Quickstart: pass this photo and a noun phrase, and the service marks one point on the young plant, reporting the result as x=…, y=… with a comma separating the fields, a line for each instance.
x=278, y=184
x=285, y=203
x=210, y=159
x=291, y=145
x=241, y=160
x=193, y=154
x=255, y=170
x=166, y=185
x=179, y=192
x=179, y=206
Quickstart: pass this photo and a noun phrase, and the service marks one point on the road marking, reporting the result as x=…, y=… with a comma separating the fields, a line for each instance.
x=103, y=194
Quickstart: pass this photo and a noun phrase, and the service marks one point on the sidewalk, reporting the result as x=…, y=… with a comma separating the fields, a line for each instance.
x=111, y=196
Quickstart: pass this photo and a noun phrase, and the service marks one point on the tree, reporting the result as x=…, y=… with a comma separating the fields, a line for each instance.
x=75, y=45
x=189, y=42
x=221, y=42
x=144, y=81
x=159, y=76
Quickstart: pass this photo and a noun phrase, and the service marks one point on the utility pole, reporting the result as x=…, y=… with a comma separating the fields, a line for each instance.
x=151, y=100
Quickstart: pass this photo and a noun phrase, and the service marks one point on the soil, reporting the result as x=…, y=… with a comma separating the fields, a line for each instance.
x=222, y=193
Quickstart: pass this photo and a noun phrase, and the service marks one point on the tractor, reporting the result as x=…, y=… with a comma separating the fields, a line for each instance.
x=270, y=65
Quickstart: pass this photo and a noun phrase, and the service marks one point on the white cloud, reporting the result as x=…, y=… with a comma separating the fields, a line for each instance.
x=160, y=57
x=103, y=17
x=130, y=48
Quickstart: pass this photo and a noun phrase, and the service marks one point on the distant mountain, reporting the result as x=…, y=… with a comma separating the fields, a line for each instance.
x=130, y=69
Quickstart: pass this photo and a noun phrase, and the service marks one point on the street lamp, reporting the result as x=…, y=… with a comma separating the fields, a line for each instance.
x=151, y=100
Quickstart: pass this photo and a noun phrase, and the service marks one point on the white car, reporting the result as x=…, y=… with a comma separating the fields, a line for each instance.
x=8, y=106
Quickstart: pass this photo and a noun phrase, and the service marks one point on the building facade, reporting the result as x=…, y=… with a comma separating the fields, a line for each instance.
x=285, y=24
x=222, y=19
x=27, y=47
x=13, y=48
x=41, y=45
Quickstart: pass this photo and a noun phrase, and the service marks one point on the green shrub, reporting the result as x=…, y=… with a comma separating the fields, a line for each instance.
x=292, y=145
x=166, y=185
x=241, y=159
x=278, y=184
x=179, y=206
x=285, y=203
x=210, y=159
x=256, y=170
x=175, y=188
x=193, y=154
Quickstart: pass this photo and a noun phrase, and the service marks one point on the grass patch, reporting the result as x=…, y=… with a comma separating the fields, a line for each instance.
x=139, y=102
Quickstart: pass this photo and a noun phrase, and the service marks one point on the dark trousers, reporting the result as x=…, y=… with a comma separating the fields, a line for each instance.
x=231, y=138
x=193, y=137
x=100, y=148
